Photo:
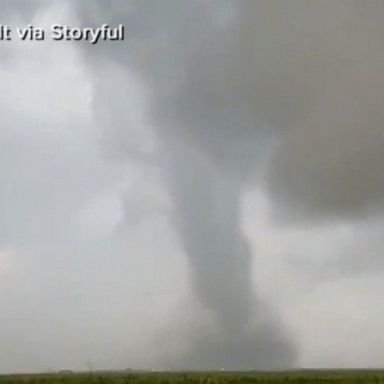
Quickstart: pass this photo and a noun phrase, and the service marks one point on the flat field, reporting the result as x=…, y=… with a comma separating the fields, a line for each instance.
x=303, y=376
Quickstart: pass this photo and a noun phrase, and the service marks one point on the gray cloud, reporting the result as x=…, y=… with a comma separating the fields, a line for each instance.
x=320, y=86
x=229, y=77
x=234, y=85
x=209, y=100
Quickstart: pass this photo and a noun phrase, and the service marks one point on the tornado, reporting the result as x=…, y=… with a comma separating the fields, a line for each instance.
x=208, y=141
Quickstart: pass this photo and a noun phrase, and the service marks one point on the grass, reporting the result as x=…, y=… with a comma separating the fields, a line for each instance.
x=302, y=377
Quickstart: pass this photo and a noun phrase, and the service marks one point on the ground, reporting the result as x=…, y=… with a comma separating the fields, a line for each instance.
x=302, y=376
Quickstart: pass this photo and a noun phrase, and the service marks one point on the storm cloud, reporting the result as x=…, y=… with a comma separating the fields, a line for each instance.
x=218, y=174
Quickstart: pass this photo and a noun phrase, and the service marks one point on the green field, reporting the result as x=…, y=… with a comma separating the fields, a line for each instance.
x=306, y=376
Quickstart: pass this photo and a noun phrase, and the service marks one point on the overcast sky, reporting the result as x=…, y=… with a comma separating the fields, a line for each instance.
x=207, y=193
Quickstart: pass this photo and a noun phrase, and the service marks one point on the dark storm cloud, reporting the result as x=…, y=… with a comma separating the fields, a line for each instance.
x=314, y=75
x=285, y=95
x=226, y=77
x=233, y=84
